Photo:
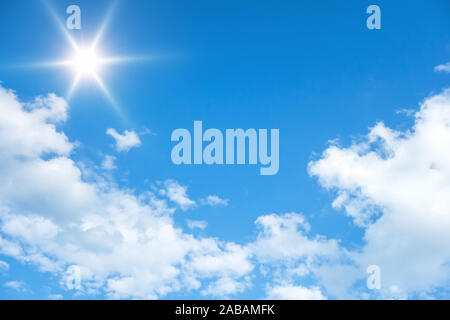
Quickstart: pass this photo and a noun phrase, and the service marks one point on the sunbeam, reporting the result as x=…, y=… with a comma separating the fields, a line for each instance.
x=86, y=62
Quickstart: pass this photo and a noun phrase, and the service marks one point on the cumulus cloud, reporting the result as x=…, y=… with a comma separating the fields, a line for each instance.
x=396, y=186
x=443, y=67
x=125, y=141
x=291, y=292
x=285, y=237
x=224, y=287
x=125, y=245
x=393, y=184
x=214, y=201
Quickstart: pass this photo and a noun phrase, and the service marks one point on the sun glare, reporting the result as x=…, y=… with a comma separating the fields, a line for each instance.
x=86, y=62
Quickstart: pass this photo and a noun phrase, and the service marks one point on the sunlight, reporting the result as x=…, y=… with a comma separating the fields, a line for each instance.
x=86, y=62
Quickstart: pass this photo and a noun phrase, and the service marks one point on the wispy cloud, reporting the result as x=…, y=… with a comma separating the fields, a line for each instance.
x=214, y=201
x=19, y=286
x=177, y=194
x=4, y=266
x=197, y=224
x=443, y=67
x=108, y=163
x=125, y=141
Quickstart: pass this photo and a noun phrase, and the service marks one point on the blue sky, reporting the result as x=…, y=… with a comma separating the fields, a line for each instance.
x=311, y=69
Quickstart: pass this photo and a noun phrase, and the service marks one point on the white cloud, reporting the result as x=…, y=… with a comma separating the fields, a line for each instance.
x=178, y=194
x=396, y=185
x=200, y=224
x=443, y=67
x=214, y=201
x=16, y=285
x=125, y=245
x=108, y=163
x=32, y=133
x=4, y=266
x=28, y=228
x=224, y=287
x=56, y=297
x=125, y=141
x=284, y=237
x=291, y=292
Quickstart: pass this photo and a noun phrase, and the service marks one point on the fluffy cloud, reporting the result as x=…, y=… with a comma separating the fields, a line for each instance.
x=396, y=185
x=443, y=67
x=224, y=287
x=32, y=133
x=125, y=141
x=56, y=215
x=284, y=237
x=124, y=245
x=290, y=292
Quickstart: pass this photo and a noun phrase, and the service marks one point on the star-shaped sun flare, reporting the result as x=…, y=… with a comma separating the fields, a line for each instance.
x=87, y=62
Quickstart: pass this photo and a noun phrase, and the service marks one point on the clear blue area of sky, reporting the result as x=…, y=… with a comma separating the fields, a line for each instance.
x=309, y=68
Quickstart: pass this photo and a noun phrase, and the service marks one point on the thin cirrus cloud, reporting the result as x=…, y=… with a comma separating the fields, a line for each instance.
x=392, y=184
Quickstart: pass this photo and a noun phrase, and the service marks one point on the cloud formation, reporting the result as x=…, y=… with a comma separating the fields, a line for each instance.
x=443, y=67
x=108, y=163
x=197, y=224
x=392, y=184
x=125, y=141
x=177, y=194
x=125, y=245
x=4, y=266
x=396, y=186
x=16, y=285
x=214, y=201
x=290, y=292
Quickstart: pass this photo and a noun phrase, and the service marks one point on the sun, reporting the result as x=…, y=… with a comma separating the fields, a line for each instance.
x=86, y=62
